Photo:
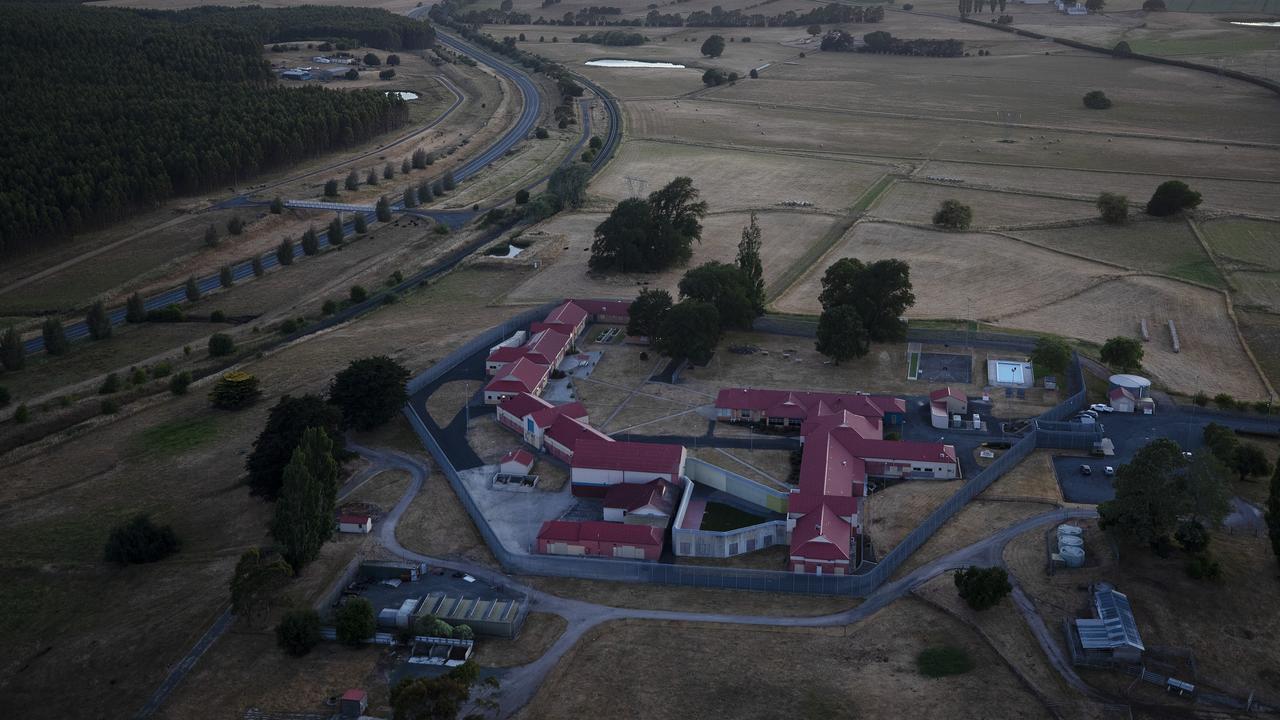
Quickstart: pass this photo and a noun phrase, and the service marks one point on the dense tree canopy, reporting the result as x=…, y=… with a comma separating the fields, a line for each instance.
x=1170, y=197
x=1158, y=487
x=650, y=235
x=841, y=335
x=303, y=519
x=982, y=588
x=139, y=540
x=647, y=311
x=123, y=109
x=370, y=391
x=1122, y=352
x=880, y=292
x=275, y=444
x=1051, y=354
x=724, y=286
x=258, y=577
x=689, y=330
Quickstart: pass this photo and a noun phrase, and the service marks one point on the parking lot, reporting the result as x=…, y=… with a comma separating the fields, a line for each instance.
x=383, y=596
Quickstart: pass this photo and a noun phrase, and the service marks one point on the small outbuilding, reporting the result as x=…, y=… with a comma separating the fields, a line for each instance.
x=1137, y=385
x=354, y=523
x=1122, y=400
x=650, y=503
x=353, y=703
x=1113, y=629
x=516, y=462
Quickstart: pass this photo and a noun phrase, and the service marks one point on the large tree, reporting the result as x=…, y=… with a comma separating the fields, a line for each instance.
x=1221, y=441
x=1113, y=208
x=750, y=265
x=355, y=622
x=650, y=235
x=1051, y=354
x=55, y=337
x=13, y=354
x=880, y=292
x=97, y=321
x=1122, y=352
x=647, y=311
x=620, y=240
x=298, y=631
x=434, y=698
x=713, y=46
x=1148, y=500
x=841, y=335
x=724, y=286
x=1203, y=489
x=370, y=391
x=257, y=580
x=1249, y=460
x=953, y=215
x=689, y=330
x=569, y=183
x=139, y=540
x=982, y=588
x=1171, y=197
x=304, y=518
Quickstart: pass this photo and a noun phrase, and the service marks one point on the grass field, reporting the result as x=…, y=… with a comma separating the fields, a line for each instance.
x=1161, y=246
x=720, y=517
x=1245, y=244
x=916, y=203
x=868, y=669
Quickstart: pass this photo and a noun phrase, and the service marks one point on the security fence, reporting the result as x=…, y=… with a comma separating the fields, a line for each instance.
x=691, y=575
x=731, y=483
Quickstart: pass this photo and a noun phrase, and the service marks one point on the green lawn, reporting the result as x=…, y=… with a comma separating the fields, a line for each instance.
x=1234, y=45
x=936, y=662
x=1253, y=242
x=179, y=436
x=719, y=517
x=1161, y=246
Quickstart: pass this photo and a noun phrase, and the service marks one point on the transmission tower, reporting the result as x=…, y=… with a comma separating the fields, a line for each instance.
x=636, y=186
x=1008, y=118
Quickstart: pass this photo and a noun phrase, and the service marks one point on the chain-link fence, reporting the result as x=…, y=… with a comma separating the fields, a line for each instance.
x=691, y=575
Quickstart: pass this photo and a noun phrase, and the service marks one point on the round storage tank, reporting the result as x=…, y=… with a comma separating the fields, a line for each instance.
x=1073, y=556
x=1137, y=385
x=1067, y=541
x=1070, y=530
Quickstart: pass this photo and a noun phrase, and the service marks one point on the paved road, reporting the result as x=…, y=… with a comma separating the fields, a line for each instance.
x=520, y=684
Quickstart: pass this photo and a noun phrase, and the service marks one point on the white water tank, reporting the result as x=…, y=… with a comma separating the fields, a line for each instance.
x=1073, y=556
x=1070, y=530
x=1067, y=541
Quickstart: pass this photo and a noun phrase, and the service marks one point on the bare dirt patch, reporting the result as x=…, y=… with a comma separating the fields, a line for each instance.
x=867, y=668
x=539, y=632
x=1033, y=478
x=897, y=510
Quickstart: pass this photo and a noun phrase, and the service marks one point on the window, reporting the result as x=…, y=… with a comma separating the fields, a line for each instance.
x=733, y=548
x=684, y=548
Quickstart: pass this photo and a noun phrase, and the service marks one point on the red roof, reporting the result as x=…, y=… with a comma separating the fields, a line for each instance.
x=567, y=313
x=353, y=519
x=355, y=694
x=615, y=308
x=506, y=354
x=628, y=456
x=862, y=425
x=570, y=431
x=657, y=493
x=600, y=531
x=561, y=328
x=946, y=392
x=546, y=345
x=821, y=535
x=524, y=404
x=523, y=375
x=796, y=404
x=520, y=455
x=546, y=417
x=900, y=450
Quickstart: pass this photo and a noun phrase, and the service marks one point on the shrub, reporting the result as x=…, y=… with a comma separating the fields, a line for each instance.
x=522, y=196
x=541, y=133
x=1224, y=401
x=1200, y=399
x=463, y=632
x=258, y=269
x=221, y=344
x=358, y=294
x=138, y=377
x=288, y=326
x=953, y=215
x=108, y=406
x=908, y=7
x=22, y=414
x=179, y=383
x=211, y=236
x=754, y=74
x=284, y=253
x=225, y=278
x=217, y=316
x=1113, y=208
x=1097, y=100
x=161, y=369
x=982, y=588
x=386, y=74
x=1262, y=407
x=192, y=289
x=168, y=314
x=235, y=390
x=354, y=622
x=1192, y=536
x=330, y=307
x=277, y=206
x=1204, y=567
x=361, y=225
x=432, y=626
x=298, y=631
x=109, y=385
x=942, y=661
x=140, y=541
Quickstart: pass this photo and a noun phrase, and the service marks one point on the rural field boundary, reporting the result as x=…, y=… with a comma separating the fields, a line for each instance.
x=703, y=576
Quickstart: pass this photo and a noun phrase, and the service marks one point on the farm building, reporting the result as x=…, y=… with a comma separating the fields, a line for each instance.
x=516, y=462
x=1113, y=629
x=650, y=503
x=296, y=74
x=566, y=434
x=532, y=416
x=521, y=376
x=613, y=312
x=595, y=538
x=353, y=703
x=496, y=617
x=353, y=523
x=329, y=72
x=598, y=464
x=785, y=408
x=945, y=402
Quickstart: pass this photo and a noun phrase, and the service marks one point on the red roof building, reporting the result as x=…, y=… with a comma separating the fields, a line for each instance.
x=566, y=434
x=651, y=503
x=820, y=543
x=597, y=465
x=791, y=408
x=514, y=378
x=546, y=347
x=595, y=538
x=352, y=704
x=606, y=311
x=517, y=462
x=569, y=314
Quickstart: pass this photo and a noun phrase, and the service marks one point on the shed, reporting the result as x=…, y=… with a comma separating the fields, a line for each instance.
x=493, y=616
x=1122, y=400
x=353, y=523
x=516, y=462
x=1113, y=629
x=353, y=703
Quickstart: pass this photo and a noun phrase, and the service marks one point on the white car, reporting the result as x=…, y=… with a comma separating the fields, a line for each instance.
x=1102, y=408
x=1108, y=471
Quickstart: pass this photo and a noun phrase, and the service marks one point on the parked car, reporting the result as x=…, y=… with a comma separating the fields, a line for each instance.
x=1085, y=419
x=1102, y=408
x=1086, y=470
x=1108, y=471
x=1090, y=413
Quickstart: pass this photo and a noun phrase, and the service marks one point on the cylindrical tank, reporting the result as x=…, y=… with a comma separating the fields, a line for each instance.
x=1137, y=385
x=1073, y=556
x=1070, y=530
x=1067, y=541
